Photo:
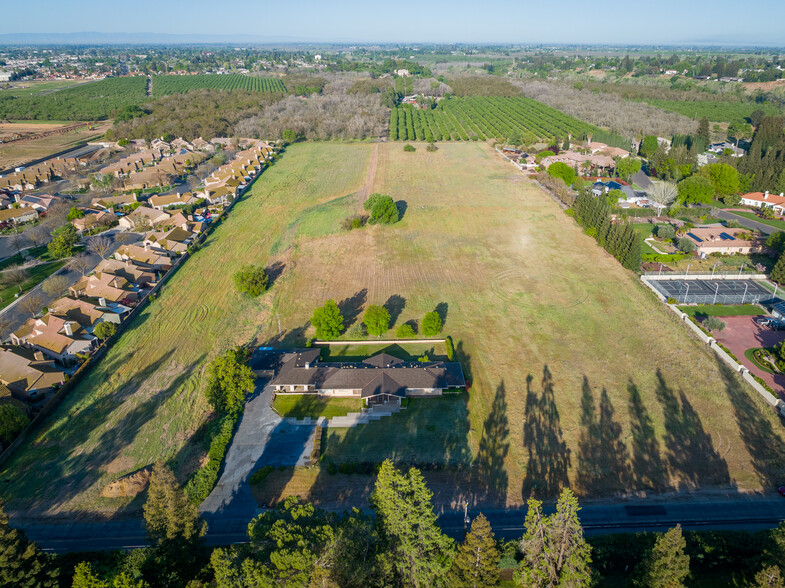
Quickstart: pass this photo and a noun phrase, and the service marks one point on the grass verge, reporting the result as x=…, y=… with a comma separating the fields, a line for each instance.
x=730, y=310
x=309, y=405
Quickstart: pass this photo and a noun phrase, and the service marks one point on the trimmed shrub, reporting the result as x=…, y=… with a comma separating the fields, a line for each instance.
x=204, y=479
x=261, y=474
x=409, y=148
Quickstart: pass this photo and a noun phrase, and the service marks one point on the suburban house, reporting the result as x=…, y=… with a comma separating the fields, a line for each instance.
x=40, y=203
x=88, y=315
x=142, y=256
x=765, y=200
x=18, y=215
x=107, y=202
x=93, y=219
x=630, y=195
x=27, y=373
x=722, y=147
x=379, y=379
x=161, y=202
x=104, y=286
x=174, y=242
x=58, y=338
x=134, y=274
x=723, y=240
x=142, y=217
x=574, y=159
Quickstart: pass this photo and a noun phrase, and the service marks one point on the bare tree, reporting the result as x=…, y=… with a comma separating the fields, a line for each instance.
x=100, y=245
x=56, y=285
x=15, y=276
x=16, y=240
x=82, y=263
x=5, y=326
x=39, y=235
x=662, y=195
x=126, y=238
x=32, y=303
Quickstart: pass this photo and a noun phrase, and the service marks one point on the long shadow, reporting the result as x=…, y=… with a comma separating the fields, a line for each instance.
x=465, y=359
x=548, y=458
x=274, y=271
x=395, y=305
x=402, y=207
x=692, y=458
x=494, y=447
x=763, y=441
x=603, y=458
x=648, y=470
x=351, y=307
x=441, y=309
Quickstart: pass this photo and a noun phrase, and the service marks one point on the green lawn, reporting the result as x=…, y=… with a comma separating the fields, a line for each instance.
x=730, y=310
x=428, y=430
x=405, y=351
x=36, y=274
x=777, y=224
x=309, y=405
x=645, y=230
x=41, y=253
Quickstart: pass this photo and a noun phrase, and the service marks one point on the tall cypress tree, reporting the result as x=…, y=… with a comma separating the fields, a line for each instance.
x=778, y=272
x=703, y=131
x=668, y=566
x=420, y=554
x=476, y=564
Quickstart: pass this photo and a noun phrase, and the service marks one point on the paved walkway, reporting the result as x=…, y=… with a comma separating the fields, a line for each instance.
x=263, y=438
x=742, y=333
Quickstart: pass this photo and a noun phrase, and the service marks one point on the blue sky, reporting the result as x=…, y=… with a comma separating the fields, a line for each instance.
x=498, y=21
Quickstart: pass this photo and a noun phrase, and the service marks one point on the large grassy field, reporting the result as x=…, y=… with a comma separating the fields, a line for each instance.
x=20, y=152
x=578, y=374
x=144, y=401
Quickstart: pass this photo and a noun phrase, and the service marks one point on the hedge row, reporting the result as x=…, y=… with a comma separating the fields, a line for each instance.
x=205, y=478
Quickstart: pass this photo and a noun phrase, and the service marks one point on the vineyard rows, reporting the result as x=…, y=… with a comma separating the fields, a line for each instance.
x=165, y=85
x=481, y=118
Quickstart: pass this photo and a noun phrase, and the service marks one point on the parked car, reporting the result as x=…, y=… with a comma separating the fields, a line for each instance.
x=777, y=325
x=763, y=321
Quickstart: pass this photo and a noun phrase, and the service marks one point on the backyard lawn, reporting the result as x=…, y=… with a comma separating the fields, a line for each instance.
x=35, y=275
x=309, y=405
x=716, y=310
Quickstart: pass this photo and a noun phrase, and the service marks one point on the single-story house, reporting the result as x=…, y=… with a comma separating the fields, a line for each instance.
x=708, y=240
x=143, y=216
x=104, y=286
x=765, y=200
x=41, y=203
x=18, y=215
x=143, y=257
x=161, y=202
x=27, y=373
x=58, y=338
x=87, y=314
x=379, y=379
x=107, y=202
x=138, y=276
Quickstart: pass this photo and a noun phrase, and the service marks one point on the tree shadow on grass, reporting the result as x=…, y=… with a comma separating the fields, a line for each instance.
x=441, y=309
x=763, y=441
x=351, y=307
x=548, y=458
x=692, y=457
x=395, y=305
x=402, y=207
x=274, y=271
x=603, y=458
x=648, y=470
x=494, y=447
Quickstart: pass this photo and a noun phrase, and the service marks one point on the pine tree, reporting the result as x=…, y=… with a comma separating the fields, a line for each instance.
x=22, y=564
x=555, y=552
x=703, y=131
x=418, y=552
x=769, y=577
x=778, y=272
x=477, y=562
x=668, y=566
x=168, y=514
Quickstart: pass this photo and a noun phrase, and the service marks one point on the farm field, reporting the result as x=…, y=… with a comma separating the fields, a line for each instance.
x=38, y=87
x=165, y=85
x=144, y=400
x=20, y=152
x=481, y=118
x=94, y=101
x=578, y=374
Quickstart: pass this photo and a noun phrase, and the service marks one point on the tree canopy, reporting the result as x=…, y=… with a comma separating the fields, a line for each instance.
x=477, y=560
x=667, y=566
x=723, y=177
x=251, y=280
x=230, y=380
x=627, y=166
x=63, y=241
x=696, y=189
x=22, y=564
x=376, y=320
x=431, y=324
x=382, y=208
x=563, y=171
x=104, y=330
x=12, y=420
x=328, y=321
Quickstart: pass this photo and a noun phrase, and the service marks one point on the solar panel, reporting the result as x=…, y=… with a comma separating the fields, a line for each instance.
x=726, y=237
x=698, y=239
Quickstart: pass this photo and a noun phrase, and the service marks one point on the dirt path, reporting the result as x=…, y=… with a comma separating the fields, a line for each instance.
x=370, y=178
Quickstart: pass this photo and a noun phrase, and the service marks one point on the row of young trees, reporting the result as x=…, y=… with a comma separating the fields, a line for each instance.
x=619, y=239
x=329, y=322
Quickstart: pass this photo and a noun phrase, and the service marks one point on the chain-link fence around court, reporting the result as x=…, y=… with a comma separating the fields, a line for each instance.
x=686, y=291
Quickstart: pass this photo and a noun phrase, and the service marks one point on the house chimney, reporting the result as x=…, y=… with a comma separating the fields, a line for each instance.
x=766, y=195
x=68, y=330
x=102, y=301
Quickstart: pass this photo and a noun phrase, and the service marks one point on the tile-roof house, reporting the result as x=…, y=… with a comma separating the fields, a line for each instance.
x=27, y=373
x=175, y=241
x=58, y=338
x=142, y=256
x=708, y=240
x=40, y=203
x=381, y=378
x=143, y=215
x=107, y=286
x=136, y=275
x=112, y=201
x=18, y=215
x=87, y=314
x=765, y=200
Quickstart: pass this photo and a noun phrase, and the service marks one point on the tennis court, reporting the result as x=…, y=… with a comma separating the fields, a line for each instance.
x=713, y=291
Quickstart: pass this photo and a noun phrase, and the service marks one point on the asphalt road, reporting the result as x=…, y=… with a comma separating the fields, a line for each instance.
x=16, y=316
x=730, y=512
x=746, y=222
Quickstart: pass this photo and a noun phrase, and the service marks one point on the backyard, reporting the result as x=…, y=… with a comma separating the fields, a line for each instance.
x=309, y=405
x=578, y=374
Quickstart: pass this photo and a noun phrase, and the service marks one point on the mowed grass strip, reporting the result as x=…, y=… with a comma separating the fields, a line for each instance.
x=731, y=310
x=143, y=401
x=309, y=405
x=579, y=375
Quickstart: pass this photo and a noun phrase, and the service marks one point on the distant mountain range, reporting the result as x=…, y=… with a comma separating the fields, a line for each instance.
x=95, y=38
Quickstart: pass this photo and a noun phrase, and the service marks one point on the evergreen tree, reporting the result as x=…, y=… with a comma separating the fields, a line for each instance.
x=703, y=131
x=376, y=320
x=431, y=324
x=769, y=577
x=328, y=321
x=418, y=553
x=778, y=272
x=668, y=566
x=230, y=380
x=554, y=550
x=168, y=514
x=477, y=562
x=22, y=564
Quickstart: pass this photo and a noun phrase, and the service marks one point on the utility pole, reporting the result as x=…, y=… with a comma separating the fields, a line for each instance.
x=745, y=292
x=716, y=292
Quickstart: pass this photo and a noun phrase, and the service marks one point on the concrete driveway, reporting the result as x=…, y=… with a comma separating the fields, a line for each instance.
x=262, y=438
x=742, y=333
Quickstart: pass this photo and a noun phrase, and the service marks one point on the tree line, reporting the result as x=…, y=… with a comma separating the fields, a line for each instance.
x=619, y=239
